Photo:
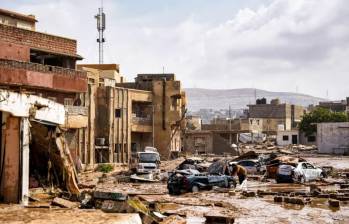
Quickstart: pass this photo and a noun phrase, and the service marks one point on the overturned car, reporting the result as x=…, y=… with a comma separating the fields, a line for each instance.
x=181, y=181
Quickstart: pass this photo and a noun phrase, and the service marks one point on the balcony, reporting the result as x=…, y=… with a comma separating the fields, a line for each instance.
x=75, y=117
x=32, y=75
x=141, y=124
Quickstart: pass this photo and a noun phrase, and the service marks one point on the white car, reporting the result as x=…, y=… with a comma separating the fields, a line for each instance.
x=305, y=172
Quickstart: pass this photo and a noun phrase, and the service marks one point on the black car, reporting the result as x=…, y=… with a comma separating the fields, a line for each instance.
x=184, y=181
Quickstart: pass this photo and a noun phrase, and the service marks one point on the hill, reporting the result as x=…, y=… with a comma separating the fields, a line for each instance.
x=217, y=99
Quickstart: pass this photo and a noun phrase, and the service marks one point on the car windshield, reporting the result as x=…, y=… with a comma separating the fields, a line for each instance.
x=148, y=157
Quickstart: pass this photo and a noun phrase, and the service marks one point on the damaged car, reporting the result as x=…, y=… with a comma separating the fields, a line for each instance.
x=305, y=172
x=190, y=181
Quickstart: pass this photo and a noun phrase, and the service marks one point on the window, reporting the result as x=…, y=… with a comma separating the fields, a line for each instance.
x=68, y=101
x=311, y=138
x=199, y=141
x=285, y=138
x=117, y=113
x=174, y=104
x=309, y=166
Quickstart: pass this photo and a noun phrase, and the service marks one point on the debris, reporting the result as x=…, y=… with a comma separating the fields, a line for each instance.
x=249, y=193
x=333, y=203
x=212, y=219
x=294, y=200
x=116, y=196
x=174, y=219
x=148, y=177
x=278, y=199
x=116, y=207
x=342, y=186
x=64, y=203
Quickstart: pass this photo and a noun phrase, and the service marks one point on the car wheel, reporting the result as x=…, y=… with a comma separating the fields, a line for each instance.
x=302, y=179
x=322, y=175
x=195, y=189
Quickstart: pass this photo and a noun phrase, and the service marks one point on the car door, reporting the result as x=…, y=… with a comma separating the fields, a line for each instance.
x=312, y=172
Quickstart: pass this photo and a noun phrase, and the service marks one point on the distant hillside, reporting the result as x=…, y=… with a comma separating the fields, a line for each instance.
x=239, y=98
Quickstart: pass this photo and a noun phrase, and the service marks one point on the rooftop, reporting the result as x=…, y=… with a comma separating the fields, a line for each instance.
x=16, y=15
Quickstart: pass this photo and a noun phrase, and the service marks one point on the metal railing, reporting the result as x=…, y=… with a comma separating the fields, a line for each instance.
x=142, y=120
x=76, y=110
x=41, y=68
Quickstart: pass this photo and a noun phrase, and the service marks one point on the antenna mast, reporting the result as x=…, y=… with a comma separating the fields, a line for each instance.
x=100, y=27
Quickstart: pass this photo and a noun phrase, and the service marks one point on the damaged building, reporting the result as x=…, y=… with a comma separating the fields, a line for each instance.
x=41, y=112
x=125, y=117
x=276, y=116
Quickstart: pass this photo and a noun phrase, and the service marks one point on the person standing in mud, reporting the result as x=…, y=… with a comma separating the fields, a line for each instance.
x=239, y=171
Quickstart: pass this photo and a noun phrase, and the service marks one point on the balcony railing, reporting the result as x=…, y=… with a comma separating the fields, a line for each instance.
x=142, y=120
x=42, y=68
x=76, y=110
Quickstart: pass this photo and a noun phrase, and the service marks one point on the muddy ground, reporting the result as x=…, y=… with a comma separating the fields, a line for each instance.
x=256, y=207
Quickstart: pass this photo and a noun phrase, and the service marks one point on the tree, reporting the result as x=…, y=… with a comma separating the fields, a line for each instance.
x=320, y=115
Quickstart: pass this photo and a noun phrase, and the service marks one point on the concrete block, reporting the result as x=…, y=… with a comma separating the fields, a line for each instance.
x=278, y=199
x=333, y=203
x=249, y=193
x=212, y=219
x=116, y=196
x=64, y=203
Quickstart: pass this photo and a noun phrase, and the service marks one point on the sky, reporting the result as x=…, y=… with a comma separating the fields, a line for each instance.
x=276, y=45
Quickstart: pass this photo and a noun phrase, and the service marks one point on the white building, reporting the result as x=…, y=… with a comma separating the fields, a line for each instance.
x=287, y=137
x=333, y=138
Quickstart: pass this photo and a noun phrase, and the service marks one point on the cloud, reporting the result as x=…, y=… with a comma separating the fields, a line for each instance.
x=282, y=45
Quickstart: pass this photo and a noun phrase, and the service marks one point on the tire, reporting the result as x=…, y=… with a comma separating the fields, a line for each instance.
x=195, y=189
x=322, y=175
x=170, y=190
x=302, y=179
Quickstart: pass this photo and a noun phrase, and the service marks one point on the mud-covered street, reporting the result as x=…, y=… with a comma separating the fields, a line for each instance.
x=260, y=200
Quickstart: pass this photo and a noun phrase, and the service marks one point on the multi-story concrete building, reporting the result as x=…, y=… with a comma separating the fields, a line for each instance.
x=169, y=107
x=39, y=92
x=124, y=118
x=276, y=116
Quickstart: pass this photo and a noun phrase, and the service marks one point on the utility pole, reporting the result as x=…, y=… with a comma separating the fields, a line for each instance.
x=230, y=137
x=100, y=27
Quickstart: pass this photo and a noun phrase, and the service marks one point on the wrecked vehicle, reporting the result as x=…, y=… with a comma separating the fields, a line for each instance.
x=196, y=163
x=252, y=166
x=192, y=181
x=305, y=172
x=147, y=161
x=285, y=174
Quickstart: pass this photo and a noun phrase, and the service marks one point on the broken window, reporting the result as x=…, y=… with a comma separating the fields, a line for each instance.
x=311, y=138
x=174, y=103
x=285, y=138
x=68, y=101
x=117, y=113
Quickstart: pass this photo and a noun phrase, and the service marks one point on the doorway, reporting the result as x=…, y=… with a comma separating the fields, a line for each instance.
x=294, y=139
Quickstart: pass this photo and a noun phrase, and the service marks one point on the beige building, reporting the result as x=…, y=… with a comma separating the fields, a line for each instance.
x=18, y=20
x=276, y=115
x=121, y=116
x=169, y=107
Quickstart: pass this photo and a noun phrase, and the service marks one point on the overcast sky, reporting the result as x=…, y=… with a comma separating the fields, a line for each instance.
x=277, y=45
